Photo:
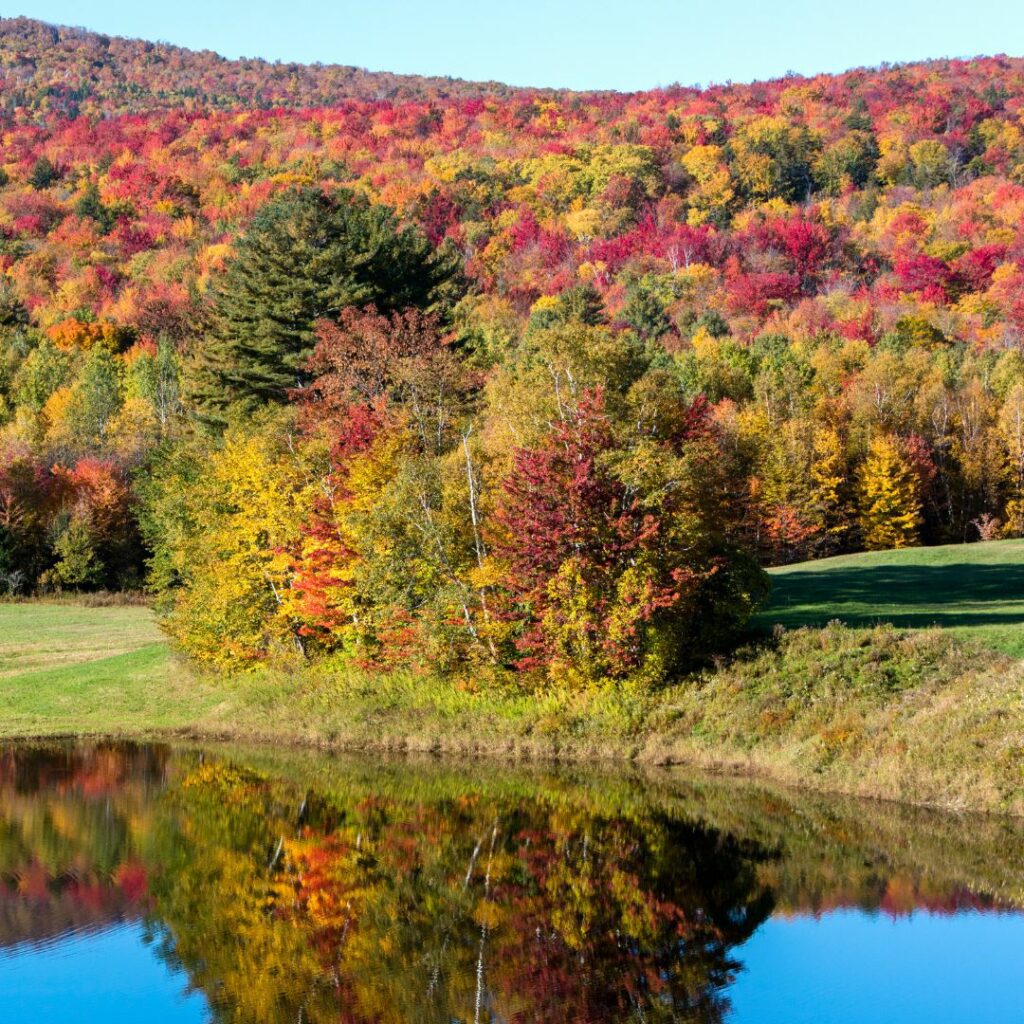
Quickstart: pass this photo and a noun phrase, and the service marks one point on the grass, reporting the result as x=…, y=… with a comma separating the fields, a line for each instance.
x=925, y=716
x=915, y=716
x=37, y=636
x=974, y=591
x=72, y=669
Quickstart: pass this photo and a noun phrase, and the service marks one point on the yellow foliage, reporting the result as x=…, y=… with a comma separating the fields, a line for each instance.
x=890, y=506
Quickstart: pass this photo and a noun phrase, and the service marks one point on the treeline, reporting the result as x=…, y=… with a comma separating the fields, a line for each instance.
x=80, y=73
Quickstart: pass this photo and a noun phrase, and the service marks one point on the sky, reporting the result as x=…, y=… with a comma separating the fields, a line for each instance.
x=580, y=44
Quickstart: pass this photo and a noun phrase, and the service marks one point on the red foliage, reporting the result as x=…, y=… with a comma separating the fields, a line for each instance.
x=757, y=293
x=560, y=502
x=975, y=268
x=918, y=272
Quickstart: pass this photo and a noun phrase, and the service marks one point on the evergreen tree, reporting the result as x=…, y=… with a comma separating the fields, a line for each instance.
x=90, y=205
x=305, y=257
x=43, y=174
x=645, y=310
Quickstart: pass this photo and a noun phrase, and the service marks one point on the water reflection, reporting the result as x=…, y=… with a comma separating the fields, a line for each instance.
x=291, y=889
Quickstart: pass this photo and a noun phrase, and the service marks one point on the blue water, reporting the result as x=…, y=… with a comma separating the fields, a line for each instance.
x=844, y=967
x=848, y=966
x=405, y=894
x=110, y=976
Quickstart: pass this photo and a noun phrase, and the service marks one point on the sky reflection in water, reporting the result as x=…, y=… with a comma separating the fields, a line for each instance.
x=139, y=883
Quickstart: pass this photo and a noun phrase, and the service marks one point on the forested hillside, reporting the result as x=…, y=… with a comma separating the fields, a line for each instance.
x=423, y=369
x=74, y=72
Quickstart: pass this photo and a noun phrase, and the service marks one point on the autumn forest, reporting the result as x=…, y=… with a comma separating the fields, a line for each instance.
x=495, y=380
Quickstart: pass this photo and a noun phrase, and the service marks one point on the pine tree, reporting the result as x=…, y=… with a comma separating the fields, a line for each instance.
x=890, y=507
x=43, y=174
x=91, y=205
x=306, y=256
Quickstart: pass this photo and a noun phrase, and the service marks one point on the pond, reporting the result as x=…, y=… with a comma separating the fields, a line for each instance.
x=143, y=882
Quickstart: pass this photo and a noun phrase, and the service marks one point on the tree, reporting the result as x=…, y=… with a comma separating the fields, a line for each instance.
x=43, y=174
x=829, y=502
x=890, y=505
x=846, y=163
x=44, y=370
x=613, y=565
x=91, y=205
x=1011, y=427
x=772, y=159
x=77, y=565
x=393, y=532
x=27, y=502
x=306, y=256
x=81, y=423
x=224, y=544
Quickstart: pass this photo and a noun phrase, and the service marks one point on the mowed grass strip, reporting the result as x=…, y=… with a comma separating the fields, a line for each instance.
x=974, y=590
x=38, y=635
x=65, y=668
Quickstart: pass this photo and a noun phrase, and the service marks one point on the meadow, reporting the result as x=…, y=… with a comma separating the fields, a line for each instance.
x=973, y=591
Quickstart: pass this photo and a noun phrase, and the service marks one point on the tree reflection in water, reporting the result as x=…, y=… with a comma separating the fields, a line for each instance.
x=383, y=894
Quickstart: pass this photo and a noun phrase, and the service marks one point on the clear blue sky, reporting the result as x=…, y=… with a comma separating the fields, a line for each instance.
x=626, y=44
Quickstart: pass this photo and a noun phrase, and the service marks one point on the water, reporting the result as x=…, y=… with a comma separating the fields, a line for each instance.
x=146, y=883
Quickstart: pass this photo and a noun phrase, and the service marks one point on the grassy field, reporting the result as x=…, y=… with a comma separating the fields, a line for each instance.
x=65, y=668
x=976, y=591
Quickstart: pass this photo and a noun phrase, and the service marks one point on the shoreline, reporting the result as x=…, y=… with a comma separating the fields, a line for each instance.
x=917, y=717
x=516, y=753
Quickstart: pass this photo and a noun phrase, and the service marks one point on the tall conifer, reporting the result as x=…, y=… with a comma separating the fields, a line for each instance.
x=306, y=256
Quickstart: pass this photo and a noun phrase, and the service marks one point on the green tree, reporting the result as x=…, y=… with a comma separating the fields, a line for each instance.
x=91, y=205
x=306, y=257
x=772, y=159
x=95, y=400
x=77, y=562
x=43, y=174
x=44, y=370
x=848, y=162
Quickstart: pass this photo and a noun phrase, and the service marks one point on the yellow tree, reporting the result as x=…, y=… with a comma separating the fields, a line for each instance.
x=713, y=194
x=235, y=563
x=829, y=509
x=1011, y=427
x=890, y=506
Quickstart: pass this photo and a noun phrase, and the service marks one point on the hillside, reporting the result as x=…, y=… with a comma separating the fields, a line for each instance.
x=975, y=591
x=72, y=72
x=502, y=381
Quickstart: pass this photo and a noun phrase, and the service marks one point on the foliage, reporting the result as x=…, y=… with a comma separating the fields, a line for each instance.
x=306, y=256
x=890, y=506
x=611, y=575
x=828, y=267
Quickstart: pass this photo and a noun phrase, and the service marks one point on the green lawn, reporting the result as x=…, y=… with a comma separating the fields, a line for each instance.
x=40, y=636
x=973, y=590
x=69, y=668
